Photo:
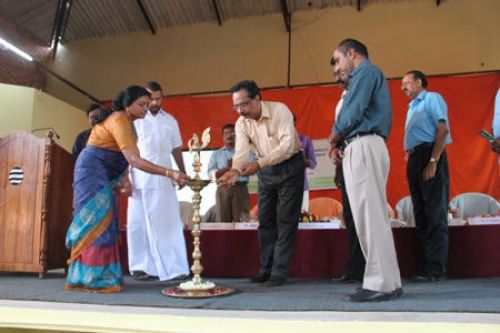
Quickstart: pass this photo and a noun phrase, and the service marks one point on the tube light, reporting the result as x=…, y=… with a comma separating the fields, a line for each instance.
x=15, y=49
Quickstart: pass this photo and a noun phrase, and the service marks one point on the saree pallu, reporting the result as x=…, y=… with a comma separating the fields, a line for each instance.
x=94, y=264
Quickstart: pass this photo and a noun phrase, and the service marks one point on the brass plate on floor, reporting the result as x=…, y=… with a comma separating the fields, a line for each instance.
x=213, y=292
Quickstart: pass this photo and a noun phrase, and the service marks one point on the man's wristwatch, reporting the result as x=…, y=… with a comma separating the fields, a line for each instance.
x=433, y=160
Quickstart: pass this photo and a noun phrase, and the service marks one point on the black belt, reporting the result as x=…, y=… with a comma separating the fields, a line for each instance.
x=421, y=146
x=278, y=168
x=347, y=141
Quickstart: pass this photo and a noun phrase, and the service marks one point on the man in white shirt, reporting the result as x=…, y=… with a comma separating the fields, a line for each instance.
x=156, y=245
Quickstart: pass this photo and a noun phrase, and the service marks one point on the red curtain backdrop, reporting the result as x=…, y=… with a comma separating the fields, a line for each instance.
x=473, y=166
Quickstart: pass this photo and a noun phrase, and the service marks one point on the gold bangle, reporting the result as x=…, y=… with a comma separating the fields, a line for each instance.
x=168, y=173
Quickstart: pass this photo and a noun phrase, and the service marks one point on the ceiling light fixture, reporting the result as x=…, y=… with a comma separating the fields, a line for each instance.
x=15, y=49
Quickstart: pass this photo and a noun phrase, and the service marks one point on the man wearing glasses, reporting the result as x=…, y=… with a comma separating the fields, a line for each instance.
x=267, y=128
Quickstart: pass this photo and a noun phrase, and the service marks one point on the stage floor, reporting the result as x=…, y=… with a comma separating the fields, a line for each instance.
x=29, y=305
x=455, y=295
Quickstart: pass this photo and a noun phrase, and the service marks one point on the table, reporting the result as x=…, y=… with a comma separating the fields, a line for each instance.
x=321, y=253
x=474, y=252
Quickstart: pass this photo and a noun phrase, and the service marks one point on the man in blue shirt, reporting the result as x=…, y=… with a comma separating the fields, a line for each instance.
x=363, y=124
x=426, y=135
x=355, y=265
x=232, y=203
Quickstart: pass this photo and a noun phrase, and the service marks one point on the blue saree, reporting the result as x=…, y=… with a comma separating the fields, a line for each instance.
x=94, y=264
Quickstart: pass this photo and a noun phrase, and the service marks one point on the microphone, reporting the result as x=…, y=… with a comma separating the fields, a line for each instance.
x=46, y=128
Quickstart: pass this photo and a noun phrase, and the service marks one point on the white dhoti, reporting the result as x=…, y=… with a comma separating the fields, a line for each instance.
x=305, y=201
x=155, y=234
x=366, y=168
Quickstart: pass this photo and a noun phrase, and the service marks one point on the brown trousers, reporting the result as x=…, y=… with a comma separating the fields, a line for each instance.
x=232, y=203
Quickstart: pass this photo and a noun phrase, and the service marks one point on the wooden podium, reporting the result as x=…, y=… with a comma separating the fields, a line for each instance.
x=36, y=200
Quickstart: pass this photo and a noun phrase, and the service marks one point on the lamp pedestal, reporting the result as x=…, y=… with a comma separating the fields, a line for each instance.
x=197, y=287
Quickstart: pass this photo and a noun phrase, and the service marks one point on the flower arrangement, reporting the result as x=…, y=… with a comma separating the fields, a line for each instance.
x=308, y=217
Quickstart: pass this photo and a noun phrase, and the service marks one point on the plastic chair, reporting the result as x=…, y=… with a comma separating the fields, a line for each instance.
x=404, y=208
x=474, y=204
x=209, y=216
x=325, y=207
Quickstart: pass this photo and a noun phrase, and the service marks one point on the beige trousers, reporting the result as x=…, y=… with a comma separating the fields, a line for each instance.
x=366, y=168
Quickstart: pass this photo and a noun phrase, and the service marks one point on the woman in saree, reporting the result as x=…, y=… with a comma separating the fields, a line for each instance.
x=94, y=264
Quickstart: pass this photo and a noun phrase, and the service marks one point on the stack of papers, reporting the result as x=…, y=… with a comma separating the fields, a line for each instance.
x=478, y=220
x=334, y=224
x=456, y=221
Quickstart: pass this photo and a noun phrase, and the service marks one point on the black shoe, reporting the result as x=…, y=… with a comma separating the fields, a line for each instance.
x=365, y=295
x=429, y=278
x=399, y=291
x=140, y=276
x=260, y=278
x=343, y=279
x=275, y=281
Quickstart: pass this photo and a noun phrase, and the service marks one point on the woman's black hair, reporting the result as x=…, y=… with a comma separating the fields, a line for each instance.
x=124, y=99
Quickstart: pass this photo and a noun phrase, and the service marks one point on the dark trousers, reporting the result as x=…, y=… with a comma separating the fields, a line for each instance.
x=430, y=208
x=280, y=198
x=355, y=266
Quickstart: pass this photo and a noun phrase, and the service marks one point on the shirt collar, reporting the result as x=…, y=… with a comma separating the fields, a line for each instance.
x=363, y=64
x=264, y=113
x=420, y=97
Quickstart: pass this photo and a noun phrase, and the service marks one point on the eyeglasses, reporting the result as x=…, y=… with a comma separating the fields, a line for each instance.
x=243, y=105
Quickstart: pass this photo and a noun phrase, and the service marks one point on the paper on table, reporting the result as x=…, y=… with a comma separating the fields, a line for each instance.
x=484, y=220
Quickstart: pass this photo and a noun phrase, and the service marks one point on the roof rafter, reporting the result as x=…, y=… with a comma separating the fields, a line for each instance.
x=217, y=11
x=286, y=15
x=146, y=17
x=60, y=23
